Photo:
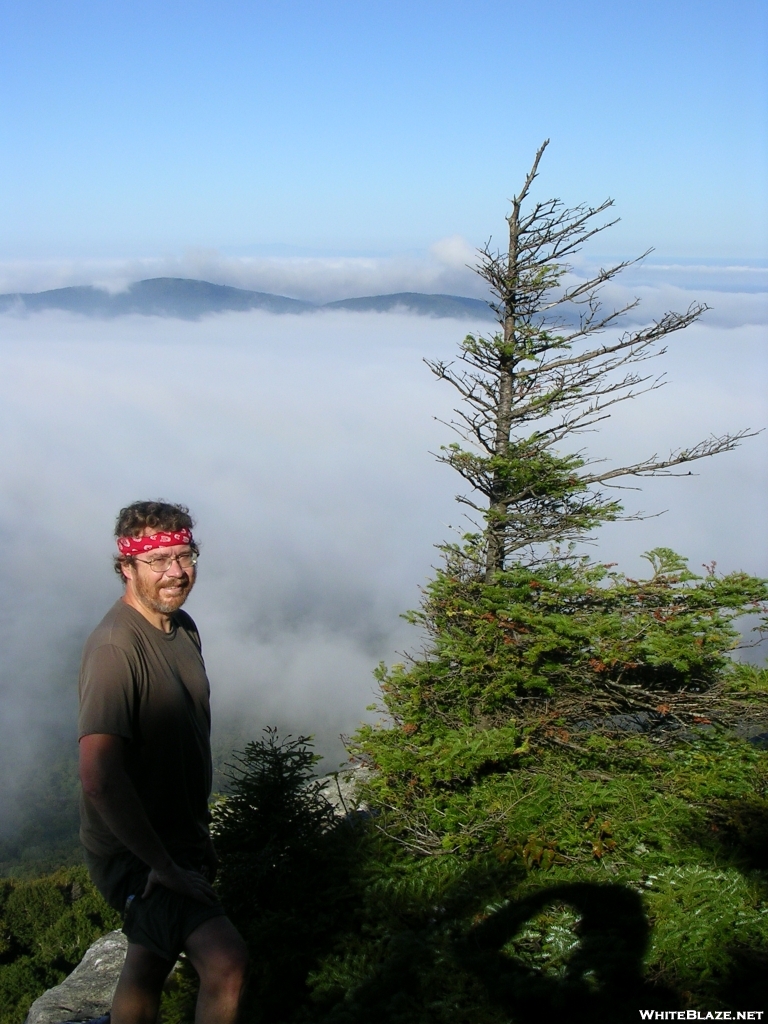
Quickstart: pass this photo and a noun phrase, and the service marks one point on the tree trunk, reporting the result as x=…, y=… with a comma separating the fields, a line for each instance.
x=499, y=509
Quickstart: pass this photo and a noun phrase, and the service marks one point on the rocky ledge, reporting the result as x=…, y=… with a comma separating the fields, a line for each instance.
x=87, y=992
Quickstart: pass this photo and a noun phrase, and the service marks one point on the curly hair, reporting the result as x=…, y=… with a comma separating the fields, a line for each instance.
x=154, y=515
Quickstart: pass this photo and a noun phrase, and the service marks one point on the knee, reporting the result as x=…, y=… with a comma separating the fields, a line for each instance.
x=226, y=971
x=236, y=966
x=144, y=970
x=220, y=957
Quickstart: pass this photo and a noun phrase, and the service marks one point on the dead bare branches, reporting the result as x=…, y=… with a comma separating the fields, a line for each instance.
x=544, y=376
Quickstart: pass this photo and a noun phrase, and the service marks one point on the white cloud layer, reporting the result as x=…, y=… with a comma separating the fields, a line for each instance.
x=301, y=445
x=312, y=278
x=737, y=293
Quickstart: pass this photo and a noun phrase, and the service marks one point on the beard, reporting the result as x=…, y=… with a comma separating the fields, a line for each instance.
x=163, y=596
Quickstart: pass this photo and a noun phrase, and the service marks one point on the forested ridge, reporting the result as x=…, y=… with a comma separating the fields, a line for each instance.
x=562, y=811
x=46, y=925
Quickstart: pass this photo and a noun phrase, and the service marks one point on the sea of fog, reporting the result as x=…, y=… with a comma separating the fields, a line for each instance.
x=302, y=446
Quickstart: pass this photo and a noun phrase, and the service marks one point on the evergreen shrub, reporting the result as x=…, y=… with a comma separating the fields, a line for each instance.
x=283, y=876
x=46, y=926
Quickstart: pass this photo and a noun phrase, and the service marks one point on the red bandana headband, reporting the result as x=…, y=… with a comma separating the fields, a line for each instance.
x=167, y=539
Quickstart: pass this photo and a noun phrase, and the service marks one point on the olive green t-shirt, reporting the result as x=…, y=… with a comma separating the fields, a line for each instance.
x=150, y=687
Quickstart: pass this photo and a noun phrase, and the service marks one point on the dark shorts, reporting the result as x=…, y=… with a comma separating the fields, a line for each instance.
x=163, y=921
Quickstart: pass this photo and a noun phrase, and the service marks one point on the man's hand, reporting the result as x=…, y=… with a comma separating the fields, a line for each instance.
x=187, y=883
x=108, y=787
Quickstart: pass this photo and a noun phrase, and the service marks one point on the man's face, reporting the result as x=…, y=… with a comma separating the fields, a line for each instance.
x=163, y=592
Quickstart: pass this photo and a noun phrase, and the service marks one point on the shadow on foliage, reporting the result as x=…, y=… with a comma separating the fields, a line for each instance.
x=342, y=929
x=344, y=926
x=746, y=986
x=736, y=831
x=601, y=979
x=739, y=828
x=455, y=971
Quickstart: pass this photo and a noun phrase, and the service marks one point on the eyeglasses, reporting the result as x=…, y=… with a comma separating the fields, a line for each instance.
x=162, y=563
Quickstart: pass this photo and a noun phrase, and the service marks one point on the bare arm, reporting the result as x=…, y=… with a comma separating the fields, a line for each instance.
x=108, y=787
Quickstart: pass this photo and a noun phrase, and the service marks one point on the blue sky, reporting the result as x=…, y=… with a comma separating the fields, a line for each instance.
x=143, y=129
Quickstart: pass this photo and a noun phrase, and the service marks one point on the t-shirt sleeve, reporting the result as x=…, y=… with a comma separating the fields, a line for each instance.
x=107, y=694
x=187, y=623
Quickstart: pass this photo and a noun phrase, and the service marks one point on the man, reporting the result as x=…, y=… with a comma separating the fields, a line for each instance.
x=145, y=768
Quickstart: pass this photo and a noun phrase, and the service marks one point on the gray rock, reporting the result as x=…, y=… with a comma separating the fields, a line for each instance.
x=340, y=789
x=754, y=731
x=636, y=721
x=88, y=991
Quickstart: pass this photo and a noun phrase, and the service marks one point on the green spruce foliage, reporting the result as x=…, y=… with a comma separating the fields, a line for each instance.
x=283, y=868
x=46, y=925
x=579, y=634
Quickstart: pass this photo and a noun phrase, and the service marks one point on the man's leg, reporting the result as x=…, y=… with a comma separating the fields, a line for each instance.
x=137, y=996
x=220, y=958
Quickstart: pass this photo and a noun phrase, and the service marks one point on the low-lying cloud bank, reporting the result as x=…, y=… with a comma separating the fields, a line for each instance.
x=316, y=279
x=301, y=444
x=737, y=292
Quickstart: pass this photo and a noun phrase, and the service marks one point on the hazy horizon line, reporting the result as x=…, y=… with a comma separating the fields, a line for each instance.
x=445, y=268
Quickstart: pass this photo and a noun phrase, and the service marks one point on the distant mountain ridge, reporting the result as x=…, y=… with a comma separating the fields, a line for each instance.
x=189, y=299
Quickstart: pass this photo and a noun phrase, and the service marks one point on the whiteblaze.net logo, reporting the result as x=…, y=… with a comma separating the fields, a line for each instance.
x=701, y=1015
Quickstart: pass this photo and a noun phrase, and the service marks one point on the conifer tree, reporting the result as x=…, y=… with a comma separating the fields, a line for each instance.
x=516, y=624
x=554, y=368
x=499, y=762
x=504, y=759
